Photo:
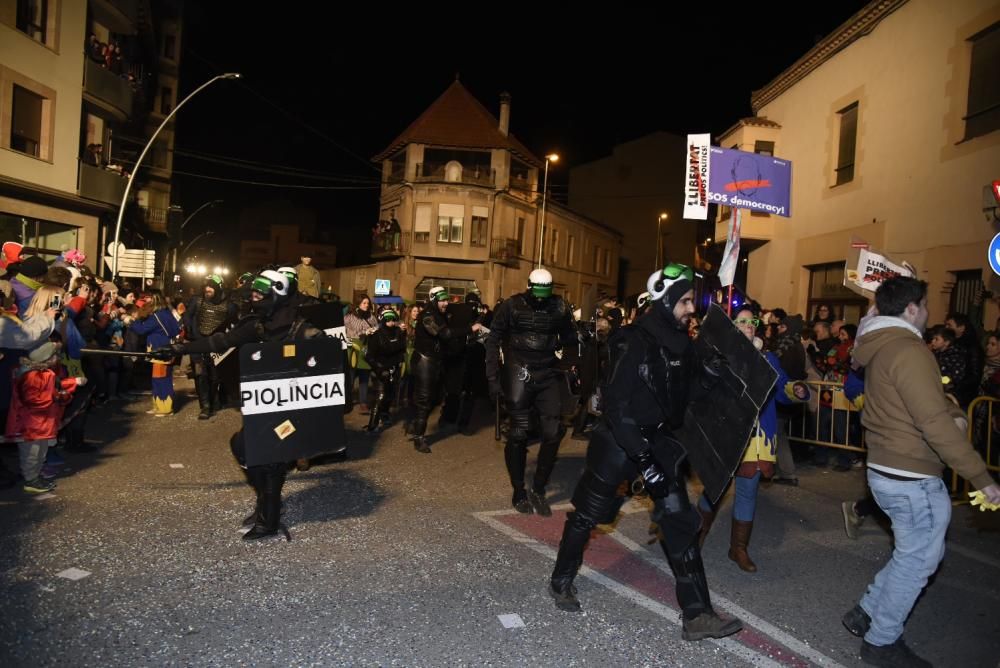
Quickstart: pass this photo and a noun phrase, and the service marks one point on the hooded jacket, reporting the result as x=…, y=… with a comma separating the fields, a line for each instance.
x=911, y=424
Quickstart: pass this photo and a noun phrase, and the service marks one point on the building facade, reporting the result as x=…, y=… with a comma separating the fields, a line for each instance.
x=461, y=206
x=891, y=124
x=629, y=191
x=77, y=85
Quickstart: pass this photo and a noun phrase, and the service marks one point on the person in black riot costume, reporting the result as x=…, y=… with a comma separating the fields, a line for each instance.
x=208, y=314
x=655, y=371
x=386, y=348
x=430, y=346
x=274, y=317
x=531, y=327
x=464, y=368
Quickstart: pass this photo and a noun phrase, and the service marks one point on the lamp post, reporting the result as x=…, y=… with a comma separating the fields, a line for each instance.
x=659, y=239
x=180, y=233
x=145, y=150
x=551, y=157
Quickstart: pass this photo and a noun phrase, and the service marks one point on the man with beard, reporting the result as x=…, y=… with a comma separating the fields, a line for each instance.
x=531, y=327
x=654, y=373
x=274, y=317
x=204, y=316
x=433, y=338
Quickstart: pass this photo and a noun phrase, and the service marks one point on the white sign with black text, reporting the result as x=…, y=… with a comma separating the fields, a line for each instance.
x=292, y=394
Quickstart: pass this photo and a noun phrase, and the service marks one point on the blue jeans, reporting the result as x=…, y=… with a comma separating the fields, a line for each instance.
x=744, y=500
x=920, y=512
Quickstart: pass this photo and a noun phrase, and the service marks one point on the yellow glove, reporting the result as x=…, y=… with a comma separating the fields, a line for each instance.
x=979, y=499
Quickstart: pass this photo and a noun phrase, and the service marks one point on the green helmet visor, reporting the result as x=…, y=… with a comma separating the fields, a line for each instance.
x=262, y=284
x=440, y=296
x=541, y=290
x=388, y=315
x=674, y=271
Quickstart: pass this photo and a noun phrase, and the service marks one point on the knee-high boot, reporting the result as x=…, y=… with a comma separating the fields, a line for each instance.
x=269, y=522
x=738, y=543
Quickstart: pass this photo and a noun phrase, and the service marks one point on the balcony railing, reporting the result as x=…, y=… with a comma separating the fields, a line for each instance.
x=100, y=184
x=472, y=175
x=390, y=244
x=506, y=252
x=108, y=88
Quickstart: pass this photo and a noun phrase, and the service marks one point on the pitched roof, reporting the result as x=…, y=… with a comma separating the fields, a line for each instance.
x=757, y=121
x=458, y=120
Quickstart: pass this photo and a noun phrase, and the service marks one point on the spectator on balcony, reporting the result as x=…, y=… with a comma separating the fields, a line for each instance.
x=310, y=280
x=94, y=48
x=94, y=155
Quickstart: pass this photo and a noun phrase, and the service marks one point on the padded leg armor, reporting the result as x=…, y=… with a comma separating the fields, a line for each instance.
x=426, y=376
x=596, y=501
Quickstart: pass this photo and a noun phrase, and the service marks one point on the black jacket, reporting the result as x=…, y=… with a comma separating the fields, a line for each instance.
x=386, y=348
x=530, y=330
x=281, y=324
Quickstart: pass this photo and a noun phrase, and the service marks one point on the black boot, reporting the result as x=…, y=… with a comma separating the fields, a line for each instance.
x=269, y=522
x=201, y=384
x=255, y=478
x=375, y=418
x=576, y=533
x=421, y=445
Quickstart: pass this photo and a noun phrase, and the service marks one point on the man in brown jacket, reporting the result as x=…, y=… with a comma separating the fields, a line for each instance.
x=913, y=432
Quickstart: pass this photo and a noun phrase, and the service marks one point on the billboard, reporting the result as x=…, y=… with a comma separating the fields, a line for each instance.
x=743, y=180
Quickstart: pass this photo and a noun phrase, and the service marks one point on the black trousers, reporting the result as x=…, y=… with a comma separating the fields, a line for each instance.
x=426, y=389
x=527, y=390
x=596, y=501
x=206, y=378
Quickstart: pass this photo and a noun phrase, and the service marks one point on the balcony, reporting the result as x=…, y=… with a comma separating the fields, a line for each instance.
x=453, y=172
x=155, y=218
x=390, y=244
x=102, y=185
x=107, y=90
x=506, y=252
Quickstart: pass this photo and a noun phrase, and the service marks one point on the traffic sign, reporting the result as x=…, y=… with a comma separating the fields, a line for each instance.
x=994, y=255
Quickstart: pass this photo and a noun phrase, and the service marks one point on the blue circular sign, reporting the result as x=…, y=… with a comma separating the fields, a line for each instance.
x=994, y=255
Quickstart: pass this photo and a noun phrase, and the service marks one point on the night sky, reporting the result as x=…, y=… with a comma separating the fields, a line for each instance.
x=324, y=93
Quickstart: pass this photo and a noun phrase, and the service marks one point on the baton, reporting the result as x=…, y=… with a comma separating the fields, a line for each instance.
x=113, y=353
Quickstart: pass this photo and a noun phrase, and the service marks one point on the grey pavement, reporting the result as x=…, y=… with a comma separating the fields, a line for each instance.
x=396, y=560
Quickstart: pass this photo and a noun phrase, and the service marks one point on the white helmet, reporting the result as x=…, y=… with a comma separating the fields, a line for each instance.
x=289, y=271
x=659, y=281
x=642, y=300
x=278, y=283
x=437, y=294
x=540, y=283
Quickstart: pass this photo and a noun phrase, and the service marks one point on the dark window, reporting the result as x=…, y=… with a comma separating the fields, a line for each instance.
x=763, y=147
x=26, y=122
x=848, y=142
x=520, y=235
x=478, y=232
x=983, y=115
x=169, y=46
x=166, y=100
x=32, y=16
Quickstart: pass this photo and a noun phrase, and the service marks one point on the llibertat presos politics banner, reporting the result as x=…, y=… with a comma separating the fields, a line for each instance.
x=696, y=175
x=743, y=180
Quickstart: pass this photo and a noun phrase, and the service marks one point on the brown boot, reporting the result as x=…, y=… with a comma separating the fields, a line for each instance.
x=738, y=542
x=707, y=517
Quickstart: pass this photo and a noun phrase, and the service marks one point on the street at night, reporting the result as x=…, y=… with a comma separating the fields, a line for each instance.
x=399, y=558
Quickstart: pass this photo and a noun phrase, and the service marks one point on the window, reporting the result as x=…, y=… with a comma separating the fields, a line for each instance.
x=763, y=147
x=457, y=287
x=479, y=229
x=597, y=259
x=848, y=140
x=26, y=122
x=422, y=224
x=166, y=100
x=41, y=237
x=554, y=247
x=826, y=286
x=169, y=46
x=520, y=235
x=32, y=18
x=983, y=114
x=607, y=261
x=570, y=249
x=450, y=223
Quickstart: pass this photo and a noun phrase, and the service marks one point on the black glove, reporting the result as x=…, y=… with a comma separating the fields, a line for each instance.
x=494, y=389
x=167, y=353
x=653, y=477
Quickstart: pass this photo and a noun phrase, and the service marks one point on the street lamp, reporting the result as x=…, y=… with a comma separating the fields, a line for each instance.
x=180, y=233
x=659, y=240
x=551, y=157
x=135, y=167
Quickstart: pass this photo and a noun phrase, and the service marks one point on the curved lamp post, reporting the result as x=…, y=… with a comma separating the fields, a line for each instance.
x=659, y=240
x=180, y=235
x=135, y=168
x=551, y=157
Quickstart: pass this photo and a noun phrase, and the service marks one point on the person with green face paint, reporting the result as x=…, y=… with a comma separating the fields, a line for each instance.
x=531, y=327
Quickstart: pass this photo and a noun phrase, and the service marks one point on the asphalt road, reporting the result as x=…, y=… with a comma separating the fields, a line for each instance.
x=400, y=558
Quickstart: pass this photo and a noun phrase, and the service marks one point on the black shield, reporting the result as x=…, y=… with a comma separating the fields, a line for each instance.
x=329, y=316
x=292, y=399
x=717, y=427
